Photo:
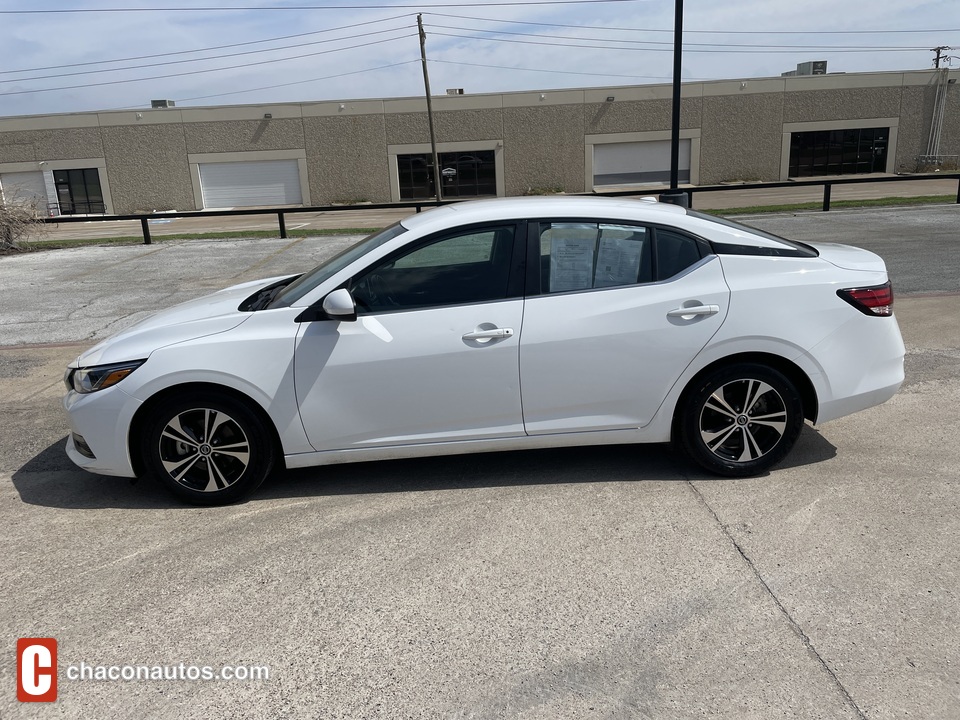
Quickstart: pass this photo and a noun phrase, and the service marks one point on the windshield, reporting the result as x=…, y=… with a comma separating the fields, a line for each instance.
x=327, y=269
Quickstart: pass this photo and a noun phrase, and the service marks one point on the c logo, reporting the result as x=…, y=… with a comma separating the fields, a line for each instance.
x=36, y=670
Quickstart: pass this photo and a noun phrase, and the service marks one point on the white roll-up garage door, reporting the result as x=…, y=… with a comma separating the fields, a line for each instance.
x=637, y=163
x=24, y=188
x=246, y=184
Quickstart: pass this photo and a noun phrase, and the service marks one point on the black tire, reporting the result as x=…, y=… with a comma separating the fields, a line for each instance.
x=740, y=420
x=207, y=448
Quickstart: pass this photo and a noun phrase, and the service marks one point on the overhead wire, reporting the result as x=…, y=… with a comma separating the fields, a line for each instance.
x=666, y=50
x=297, y=82
x=206, y=49
x=242, y=8
x=670, y=43
x=698, y=32
x=209, y=70
x=559, y=72
x=197, y=60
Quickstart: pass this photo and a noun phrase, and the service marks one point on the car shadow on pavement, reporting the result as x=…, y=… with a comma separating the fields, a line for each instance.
x=50, y=479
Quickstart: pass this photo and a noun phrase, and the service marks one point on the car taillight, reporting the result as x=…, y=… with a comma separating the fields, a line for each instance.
x=876, y=300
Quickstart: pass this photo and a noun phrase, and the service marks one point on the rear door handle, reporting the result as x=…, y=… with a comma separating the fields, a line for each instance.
x=689, y=312
x=489, y=334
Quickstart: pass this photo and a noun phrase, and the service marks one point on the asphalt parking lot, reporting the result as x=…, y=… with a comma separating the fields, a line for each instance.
x=581, y=583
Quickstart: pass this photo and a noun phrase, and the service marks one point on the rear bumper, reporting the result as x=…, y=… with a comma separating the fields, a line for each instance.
x=863, y=360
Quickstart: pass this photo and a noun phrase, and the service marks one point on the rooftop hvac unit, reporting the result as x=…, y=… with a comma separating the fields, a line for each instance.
x=162, y=103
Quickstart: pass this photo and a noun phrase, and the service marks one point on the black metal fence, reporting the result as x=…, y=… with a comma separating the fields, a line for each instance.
x=281, y=213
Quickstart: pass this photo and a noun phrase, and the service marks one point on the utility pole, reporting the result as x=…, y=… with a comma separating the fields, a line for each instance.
x=938, y=55
x=426, y=87
x=674, y=195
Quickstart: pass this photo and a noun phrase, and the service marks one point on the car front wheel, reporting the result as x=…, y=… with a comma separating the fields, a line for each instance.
x=207, y=449
x=741, y=420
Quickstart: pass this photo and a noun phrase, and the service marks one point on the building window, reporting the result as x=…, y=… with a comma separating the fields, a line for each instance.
x=462, y=174
x=839, y=152
x=79, y=192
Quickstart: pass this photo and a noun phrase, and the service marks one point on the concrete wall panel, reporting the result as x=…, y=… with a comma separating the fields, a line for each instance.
x=639, y=116
x=450, y=126
x=60, y=144
x=346, y=159
x=845, y=104
x=741, y=137
x=148, y=169
x=244, y=135
x=543, y=148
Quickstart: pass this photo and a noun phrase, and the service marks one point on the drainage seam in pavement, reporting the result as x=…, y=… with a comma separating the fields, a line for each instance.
x=101, y=268
x=270, y=257
x=798, y=631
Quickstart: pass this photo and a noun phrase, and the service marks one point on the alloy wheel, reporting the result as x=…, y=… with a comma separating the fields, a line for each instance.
x=204, y=450
x=743, y=420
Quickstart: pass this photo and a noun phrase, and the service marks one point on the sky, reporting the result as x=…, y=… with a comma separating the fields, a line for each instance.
x=238, y=52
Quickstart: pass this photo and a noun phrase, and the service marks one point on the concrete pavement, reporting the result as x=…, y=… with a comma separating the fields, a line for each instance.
x=611, y=582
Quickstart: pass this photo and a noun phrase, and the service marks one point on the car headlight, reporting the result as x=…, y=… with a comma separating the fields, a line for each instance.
x=99, y=377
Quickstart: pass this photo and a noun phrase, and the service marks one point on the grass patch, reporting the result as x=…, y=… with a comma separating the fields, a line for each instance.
x=238, y=235
x=835, y=205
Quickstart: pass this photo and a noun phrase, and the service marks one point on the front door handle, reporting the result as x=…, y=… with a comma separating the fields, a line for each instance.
x=689, y=312
x=489, y=334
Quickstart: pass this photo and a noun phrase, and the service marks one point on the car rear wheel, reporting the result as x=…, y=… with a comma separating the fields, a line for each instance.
x=207, y=449
x=741, y=420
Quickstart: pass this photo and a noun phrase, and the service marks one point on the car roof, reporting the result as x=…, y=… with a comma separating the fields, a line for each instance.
x=590, y=207
x=553, y=206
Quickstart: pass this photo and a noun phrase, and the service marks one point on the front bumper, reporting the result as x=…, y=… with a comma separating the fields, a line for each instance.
x=103, y=420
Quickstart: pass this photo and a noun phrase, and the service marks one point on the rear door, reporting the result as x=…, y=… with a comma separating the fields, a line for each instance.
x=616, y=313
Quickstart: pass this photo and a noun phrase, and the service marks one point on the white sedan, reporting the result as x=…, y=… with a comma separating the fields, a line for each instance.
x=497, y=325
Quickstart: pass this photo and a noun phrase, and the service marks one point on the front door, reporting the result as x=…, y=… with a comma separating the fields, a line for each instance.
x=433, y=355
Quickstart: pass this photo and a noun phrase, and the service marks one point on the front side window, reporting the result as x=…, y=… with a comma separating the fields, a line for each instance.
x=327, y=269
x=466, y=267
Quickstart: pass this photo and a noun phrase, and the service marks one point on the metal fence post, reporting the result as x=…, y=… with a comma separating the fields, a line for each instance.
x=283, y=225
x=826, y=196
x=958, y=191
x=146, y=231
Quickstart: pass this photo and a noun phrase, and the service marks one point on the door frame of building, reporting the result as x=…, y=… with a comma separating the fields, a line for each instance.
x=691, y=134
x=447, y=147
x=790, y=128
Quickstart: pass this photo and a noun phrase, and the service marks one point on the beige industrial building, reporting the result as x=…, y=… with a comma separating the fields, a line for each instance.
x=320, y=153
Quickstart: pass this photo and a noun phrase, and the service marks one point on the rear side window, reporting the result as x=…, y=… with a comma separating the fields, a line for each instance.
x=584, y=256
x=675, y=253
x=588, y=256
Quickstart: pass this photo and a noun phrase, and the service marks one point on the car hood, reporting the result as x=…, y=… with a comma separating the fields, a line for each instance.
x=207, y=315
x=849, y=257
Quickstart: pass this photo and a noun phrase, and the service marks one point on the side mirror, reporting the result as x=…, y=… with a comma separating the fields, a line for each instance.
x=338, y=305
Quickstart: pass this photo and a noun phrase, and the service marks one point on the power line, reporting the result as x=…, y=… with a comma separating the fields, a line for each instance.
x=194, y=60
x=297, y=82
x=685, y=45
x=247, y=8
x=699, y=32
x=562, y=72
x=198, y=72
x=206, y=49
x=607, y=47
